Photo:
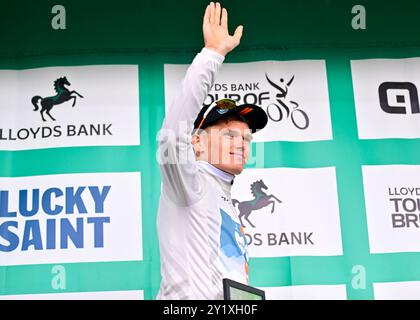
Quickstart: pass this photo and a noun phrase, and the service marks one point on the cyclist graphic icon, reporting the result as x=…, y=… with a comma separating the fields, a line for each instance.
x=274, y=111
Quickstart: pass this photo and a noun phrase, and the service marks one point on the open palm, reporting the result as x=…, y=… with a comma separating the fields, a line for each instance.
x=215, y=30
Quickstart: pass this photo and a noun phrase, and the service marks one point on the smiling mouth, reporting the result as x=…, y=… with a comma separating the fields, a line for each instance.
x=240, y=155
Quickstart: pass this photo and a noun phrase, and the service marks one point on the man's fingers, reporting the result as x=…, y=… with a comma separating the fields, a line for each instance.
x=224, y=21
x=206, y=17
x=217, y=14
x=211, y=18
x=238, y=33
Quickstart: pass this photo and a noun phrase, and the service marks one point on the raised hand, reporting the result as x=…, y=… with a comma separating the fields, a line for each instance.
x=215, y=30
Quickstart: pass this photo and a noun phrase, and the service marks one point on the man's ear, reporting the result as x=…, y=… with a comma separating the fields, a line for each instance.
x=196, y=142
x=195, y=139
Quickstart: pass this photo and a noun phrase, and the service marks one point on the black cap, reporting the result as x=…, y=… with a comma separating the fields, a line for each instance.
x=254, y=115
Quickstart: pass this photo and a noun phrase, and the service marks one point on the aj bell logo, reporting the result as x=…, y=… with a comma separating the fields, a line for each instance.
x=398, y=97
x=63, y=95
x=261, y=200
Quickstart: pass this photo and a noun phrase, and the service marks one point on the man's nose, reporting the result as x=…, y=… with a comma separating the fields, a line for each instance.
x=240, y=143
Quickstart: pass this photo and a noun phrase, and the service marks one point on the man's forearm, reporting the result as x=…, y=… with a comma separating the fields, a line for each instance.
x=195, y=87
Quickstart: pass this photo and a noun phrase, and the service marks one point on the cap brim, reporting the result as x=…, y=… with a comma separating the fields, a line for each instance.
x=256, y=117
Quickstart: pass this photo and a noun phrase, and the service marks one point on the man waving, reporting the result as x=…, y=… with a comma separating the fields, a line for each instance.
x=201, y=149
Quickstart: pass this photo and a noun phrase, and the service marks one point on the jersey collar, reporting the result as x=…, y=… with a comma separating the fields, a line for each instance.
x=225, y=176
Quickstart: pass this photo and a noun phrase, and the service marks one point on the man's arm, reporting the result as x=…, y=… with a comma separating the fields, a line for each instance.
x=179, y=173
x=200, y=75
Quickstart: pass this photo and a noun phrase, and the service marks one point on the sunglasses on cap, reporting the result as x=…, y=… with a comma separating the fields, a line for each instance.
x=223, y=104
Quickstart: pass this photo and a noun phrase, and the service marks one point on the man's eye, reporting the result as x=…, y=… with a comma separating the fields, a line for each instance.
x=248, y=138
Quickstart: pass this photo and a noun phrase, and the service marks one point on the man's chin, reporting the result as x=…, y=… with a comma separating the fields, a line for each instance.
x=235, y=169
x=236, y=172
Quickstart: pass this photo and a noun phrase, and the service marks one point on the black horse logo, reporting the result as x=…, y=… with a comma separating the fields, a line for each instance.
x=63, y=95
x=261, y=200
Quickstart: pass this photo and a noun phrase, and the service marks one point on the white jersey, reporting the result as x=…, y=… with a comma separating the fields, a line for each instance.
x=200, y=237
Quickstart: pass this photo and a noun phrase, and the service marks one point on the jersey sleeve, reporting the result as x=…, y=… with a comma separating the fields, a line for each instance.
x=180, y=181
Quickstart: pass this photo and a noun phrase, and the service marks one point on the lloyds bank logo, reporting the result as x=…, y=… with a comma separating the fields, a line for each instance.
x=63, y=94
x=45, y=106
x=268, y=236
x=261, y=200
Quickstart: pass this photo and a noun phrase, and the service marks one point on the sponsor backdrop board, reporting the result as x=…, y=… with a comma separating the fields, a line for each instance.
x=330, y=201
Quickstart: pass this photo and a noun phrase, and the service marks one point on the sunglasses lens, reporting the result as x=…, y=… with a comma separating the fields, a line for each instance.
x=226, y=104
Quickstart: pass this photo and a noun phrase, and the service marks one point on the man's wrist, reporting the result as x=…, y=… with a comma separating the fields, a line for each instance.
x=218, y=50
x=213, y=54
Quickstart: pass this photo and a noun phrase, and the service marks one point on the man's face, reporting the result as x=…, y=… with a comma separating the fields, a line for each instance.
x=226, y=145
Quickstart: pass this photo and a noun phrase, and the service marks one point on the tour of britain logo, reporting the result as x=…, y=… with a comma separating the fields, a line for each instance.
x=392, y=196
x=282, y=109
x=294, y=94
x=298, y=117
x=69, y=106
x=405, y=204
